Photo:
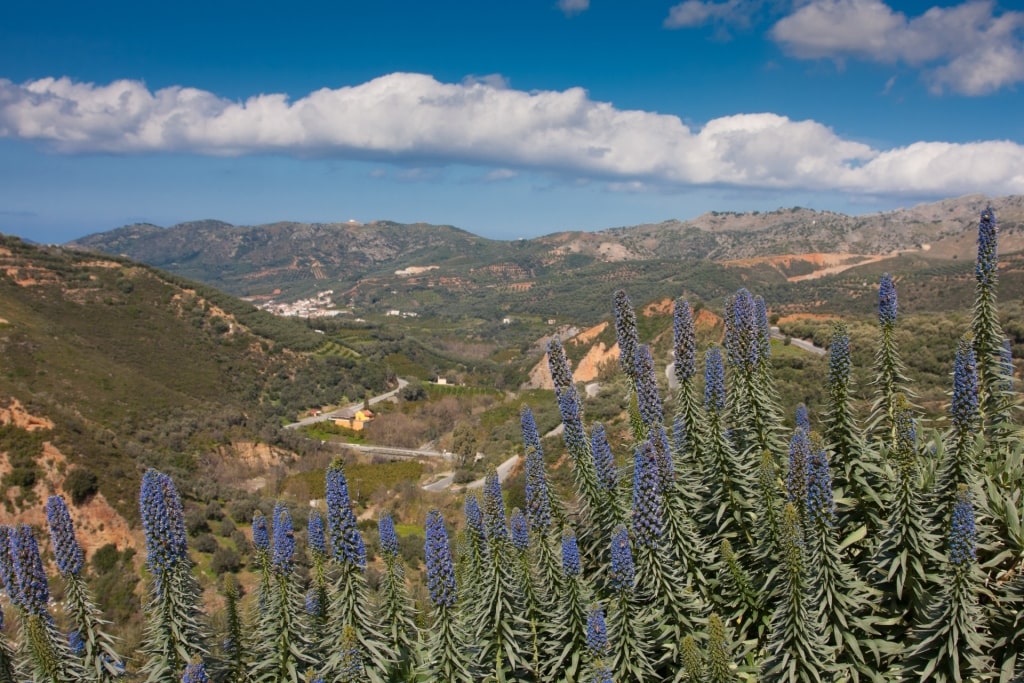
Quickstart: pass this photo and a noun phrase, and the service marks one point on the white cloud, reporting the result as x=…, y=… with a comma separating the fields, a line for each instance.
x=416, y=120
x=965, y=48
x=693, y=13
x=571, y=7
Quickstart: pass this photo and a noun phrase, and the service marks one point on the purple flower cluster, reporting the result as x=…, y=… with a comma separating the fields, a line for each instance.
x=386, y=534
x=684, y=341
x=963, y=536
x=764, y=331
x=887, y=301
x=663, y=456
x=520, y=530
x=597, y=632
x=574, y=434
x=604, y=461
x=839, y=357
x=742, y=330
x=313, y=606
x=988, y=257
x=6, y=561
x=622, y=574
x=346, y=541
x=440, y=569
x=195, y=673
x=260, y=532
x=474, y=517
x=964, y=407
x=76, y=644
x=66, y=550
x=821, y=507
x=315, y=531
x=648, y=400
x=495, y=524
x=531, y=437
x=538, y=498
x=803, y=418
x=284, y=542
x=626, y=332
x=163, y=522
x=570, y=554
x=646, y=496
x=796, y=477
x=558, y=364
x=31, y=592
x=714, y=380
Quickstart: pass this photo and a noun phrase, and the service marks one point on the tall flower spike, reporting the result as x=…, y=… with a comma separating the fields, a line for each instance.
x=163, y=523
x=648, y=400
x=315, y=534
x=964, y=408
x=821, y=507
x=495, y=524
x=796, y=477
x=803, y=418
x=6, y=561
x=387, y=535
x=684, y=341
x=988, y=258
x=887, y=301
x=647, y=497
x=839, y=364
x=32, y=593
x=531, y=437
x=346, y=541
x=570, y=554
x=66, y=550
x=714, y=380
x=260, y=533
x=764, y=330
x=558, y=364
x=474, y=515
x=626, y=332
x=623, y=573
x=597, y=632
x=604, y=461
x=520, y=531
x=538, y=497
x=743, y=344
x=284, y=542
x=963, y=536
x=440, y=569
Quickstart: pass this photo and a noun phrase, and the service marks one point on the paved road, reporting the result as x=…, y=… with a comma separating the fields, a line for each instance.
x=445, y=483
x=355, y=406
x=799, y=343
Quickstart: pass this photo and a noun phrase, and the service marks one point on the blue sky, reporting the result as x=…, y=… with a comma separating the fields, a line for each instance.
x=505, y=119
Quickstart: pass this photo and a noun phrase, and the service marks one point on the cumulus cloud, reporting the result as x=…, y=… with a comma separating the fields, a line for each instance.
x=965, y=48
x=571, y=7
x=415, y=119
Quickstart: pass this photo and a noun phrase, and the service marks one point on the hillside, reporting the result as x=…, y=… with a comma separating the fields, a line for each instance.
x=117, y=367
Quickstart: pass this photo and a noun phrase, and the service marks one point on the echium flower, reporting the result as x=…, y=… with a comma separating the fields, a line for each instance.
x=963, y=536
x=964, y=407
x=743, y=344
x=284, y=542
x=663, y=456
x=558, y=364
x=570, y=553
x=520, y=530
x=622, y=574
x=163, y=523
x=346, y=541
x=66, y=550
x=313, y=606
x=714, y=380
x=648, y=400
x=260, y=533
x=574, y=434
x=195, y=673
x=351, y=669
x=6, y=561
x=988, y=258
x=646, y=496
x=839, y=357
x=495, y=525
x=906, y=429
x=887, y=301
x=531, y=437
x=1006, y=367
x=31, y=592
x=604, y=461
x=538, y=497
x=76, y=644
x=597, y=632
x=764, y=330
x=440, y=568
x=684, y=341
x=803, y=418
x=821, y=507
x=626, y=332
x=796, y=477
x=474, y=516
x=315, y=535
x=386, y=534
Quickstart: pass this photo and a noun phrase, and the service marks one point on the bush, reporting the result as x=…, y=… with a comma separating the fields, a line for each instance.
x=225, y=560
x=205, y=543
x=81, y=485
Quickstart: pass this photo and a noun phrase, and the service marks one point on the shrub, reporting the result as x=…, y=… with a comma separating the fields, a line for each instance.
x=81, y=485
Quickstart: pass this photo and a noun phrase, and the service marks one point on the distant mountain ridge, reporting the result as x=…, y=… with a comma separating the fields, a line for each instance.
x=292, y=259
